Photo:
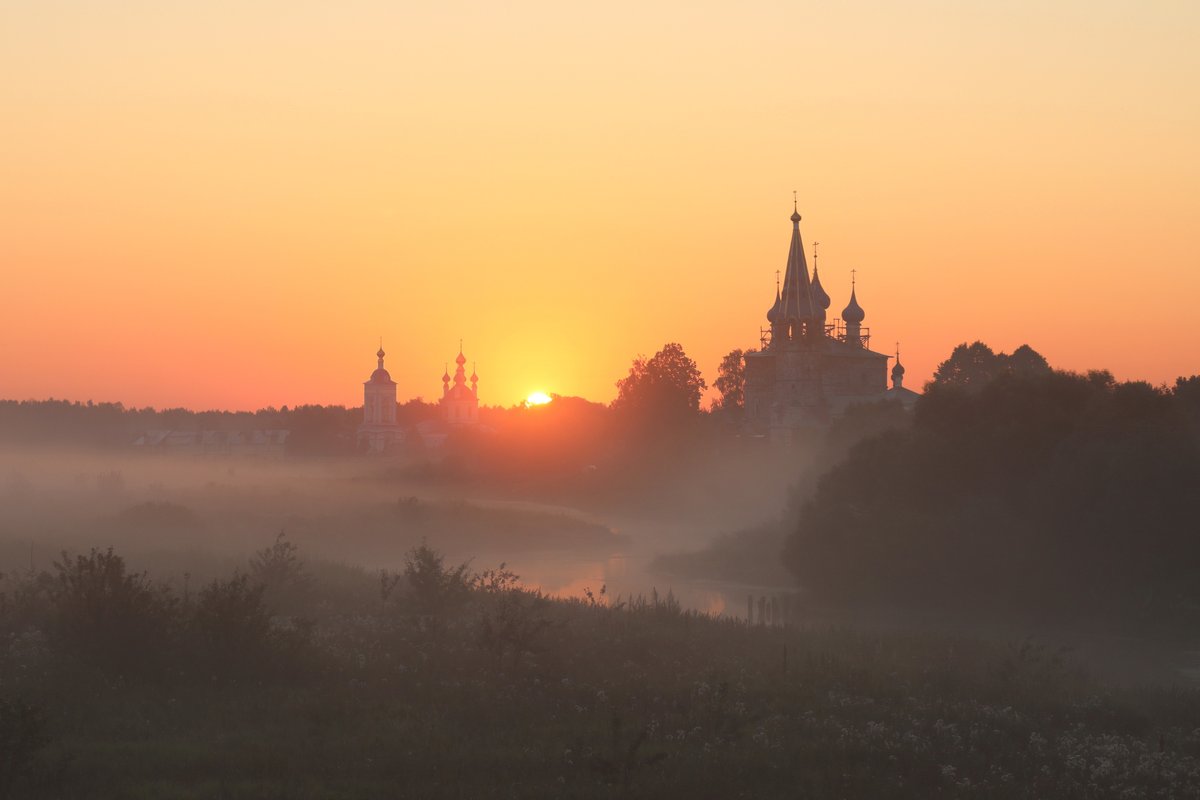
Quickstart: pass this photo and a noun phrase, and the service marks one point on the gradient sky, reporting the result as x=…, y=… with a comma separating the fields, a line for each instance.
x=225, y=204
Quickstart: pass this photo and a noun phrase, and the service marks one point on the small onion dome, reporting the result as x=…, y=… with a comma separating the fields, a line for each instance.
x=818, y=291
x=795, y=216
x=774, y=312
x=474, y=377
x=853, y=312
x=380, y=354
x=446, y=376
x=461, y=359
x=897, y=370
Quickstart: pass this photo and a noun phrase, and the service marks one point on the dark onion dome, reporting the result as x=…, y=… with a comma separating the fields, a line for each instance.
x=897, y=371
x=773, y=313
x=853, y=312
x=446, y=375
x=819, y=294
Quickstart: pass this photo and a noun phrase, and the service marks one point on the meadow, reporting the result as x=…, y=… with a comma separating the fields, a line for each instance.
x=304, y=679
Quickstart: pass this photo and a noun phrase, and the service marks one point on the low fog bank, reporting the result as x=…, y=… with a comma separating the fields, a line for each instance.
x=203, y=516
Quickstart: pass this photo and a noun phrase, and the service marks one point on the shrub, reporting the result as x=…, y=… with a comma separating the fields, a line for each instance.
x=114, y=618
x=231, y=626
x=436, y=587
x=280, y=570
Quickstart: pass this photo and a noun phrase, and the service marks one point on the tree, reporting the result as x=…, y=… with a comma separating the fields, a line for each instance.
x=660, y=389
x=972, y=366
x=969, y=365
x=731, y=381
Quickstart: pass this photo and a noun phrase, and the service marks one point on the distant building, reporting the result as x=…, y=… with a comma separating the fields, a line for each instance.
x=460, y=405
x=270, y=443
x=379, y=432
x=809, y=369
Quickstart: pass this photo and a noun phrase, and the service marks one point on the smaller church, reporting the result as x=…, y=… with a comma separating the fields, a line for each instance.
x=810, y=369
x=379, y=431
x=460, y=403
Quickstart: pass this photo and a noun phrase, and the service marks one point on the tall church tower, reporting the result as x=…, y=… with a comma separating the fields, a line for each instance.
x=799, y=313
x=379, y=431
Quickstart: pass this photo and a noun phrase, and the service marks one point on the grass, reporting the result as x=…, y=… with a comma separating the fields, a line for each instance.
x=590, y=699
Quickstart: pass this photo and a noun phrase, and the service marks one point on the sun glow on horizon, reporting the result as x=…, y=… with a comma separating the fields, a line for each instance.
x=538, y=399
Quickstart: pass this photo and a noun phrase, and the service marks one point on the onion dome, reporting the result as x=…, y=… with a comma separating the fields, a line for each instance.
x=460, y=359
x=853, y=312
x=795, y=216
x=774, y=313
x=898, y=368
x=819, y=294
x=380, y=375
x=446, y=375
x=474, y=377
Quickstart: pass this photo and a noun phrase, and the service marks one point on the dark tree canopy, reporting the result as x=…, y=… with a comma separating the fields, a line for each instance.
x=1049, y=492
x=660, y=388
x=731, y=381
x=971, y=366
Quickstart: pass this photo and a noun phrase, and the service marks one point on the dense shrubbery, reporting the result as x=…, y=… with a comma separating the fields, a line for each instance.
x=1018, y=488
x=447, y=682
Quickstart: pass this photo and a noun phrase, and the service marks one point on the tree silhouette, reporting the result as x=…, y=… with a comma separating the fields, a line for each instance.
x=660, y=389
x=1041, y=492
x=731, y=380
x=972, y=366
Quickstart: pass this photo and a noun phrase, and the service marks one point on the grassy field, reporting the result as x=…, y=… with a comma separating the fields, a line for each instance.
x=297, y=682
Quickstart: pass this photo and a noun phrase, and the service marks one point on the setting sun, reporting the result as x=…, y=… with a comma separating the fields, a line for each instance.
x=538, y=399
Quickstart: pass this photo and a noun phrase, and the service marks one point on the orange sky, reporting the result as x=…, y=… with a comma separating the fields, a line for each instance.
x=224, y=204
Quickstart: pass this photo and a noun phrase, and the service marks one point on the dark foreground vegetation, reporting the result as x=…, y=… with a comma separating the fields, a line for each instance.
x=1018, y=489
x=296, y=681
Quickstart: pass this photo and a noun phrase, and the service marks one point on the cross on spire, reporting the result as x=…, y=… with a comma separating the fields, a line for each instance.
x=853, y=275
x=795, y=202
x=776, y=280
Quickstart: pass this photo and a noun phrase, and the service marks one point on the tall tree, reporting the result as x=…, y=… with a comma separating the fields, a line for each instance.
x=660, y=388
x=731, y=380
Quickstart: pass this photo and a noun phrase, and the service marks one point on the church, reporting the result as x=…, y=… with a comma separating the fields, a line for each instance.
x=379, y=431
x=460, y=403
x=808, y=369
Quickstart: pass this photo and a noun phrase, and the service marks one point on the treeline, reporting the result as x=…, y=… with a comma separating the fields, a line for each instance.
x=1018, y=488
x=314, y=429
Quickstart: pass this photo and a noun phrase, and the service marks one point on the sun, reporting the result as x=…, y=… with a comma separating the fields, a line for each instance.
x=538, y=399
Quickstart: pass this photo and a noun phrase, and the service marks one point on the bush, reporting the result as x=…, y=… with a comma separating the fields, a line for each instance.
x=280, y=570
x=115, y=619
x=436, y=587
x=231, y=626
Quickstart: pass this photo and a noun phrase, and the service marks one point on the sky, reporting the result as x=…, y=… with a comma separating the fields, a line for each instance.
x=227, y=204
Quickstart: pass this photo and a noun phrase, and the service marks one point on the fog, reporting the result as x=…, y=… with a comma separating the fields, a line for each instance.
x=204, y=516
